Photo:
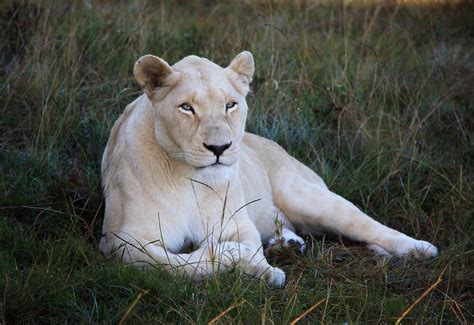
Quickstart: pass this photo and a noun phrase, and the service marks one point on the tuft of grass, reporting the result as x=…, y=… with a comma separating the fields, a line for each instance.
x=375, y=98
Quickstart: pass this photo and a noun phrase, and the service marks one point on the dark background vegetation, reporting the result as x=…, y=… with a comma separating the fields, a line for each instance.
x=375, y=98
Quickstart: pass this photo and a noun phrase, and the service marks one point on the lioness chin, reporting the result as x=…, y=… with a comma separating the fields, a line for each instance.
x=179, y=168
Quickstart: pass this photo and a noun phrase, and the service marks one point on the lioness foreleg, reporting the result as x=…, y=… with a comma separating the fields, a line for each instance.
x=251, y=259
x=210, y=258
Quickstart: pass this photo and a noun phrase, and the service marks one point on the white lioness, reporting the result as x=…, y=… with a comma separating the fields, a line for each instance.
x=179, y=169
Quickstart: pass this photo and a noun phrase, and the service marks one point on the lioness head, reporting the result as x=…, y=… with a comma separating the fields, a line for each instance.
x=200, y=109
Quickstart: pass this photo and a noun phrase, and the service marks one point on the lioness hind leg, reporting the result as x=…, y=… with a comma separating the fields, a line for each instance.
x=310, y=206
x=378, y=250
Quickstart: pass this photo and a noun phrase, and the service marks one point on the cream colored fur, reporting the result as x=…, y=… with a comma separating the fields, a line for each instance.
x=164, y=191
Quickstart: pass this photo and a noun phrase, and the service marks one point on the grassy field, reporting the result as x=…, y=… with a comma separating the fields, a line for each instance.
x=377, y=99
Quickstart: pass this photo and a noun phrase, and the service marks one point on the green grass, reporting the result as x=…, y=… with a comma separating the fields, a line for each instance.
x=376, y=99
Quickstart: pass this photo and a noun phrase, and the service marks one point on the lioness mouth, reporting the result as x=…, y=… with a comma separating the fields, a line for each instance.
x=217, y=163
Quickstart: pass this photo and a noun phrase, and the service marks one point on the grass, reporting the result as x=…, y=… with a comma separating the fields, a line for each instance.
x=376, y=99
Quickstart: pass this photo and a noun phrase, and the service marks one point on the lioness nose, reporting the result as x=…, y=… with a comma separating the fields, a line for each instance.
x=217, y=150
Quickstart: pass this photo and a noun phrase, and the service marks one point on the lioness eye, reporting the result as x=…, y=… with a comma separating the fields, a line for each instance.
x=230, y=105
x=186, y=107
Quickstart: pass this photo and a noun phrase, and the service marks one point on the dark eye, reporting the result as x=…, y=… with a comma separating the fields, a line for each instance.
x=186, y=107
x=230, y=105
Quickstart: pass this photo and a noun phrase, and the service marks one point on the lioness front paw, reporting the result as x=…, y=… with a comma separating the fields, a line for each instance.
x=259, y=268
x=274, y=277
x=232, y=251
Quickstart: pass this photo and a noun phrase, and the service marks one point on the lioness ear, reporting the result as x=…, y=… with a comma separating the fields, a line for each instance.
x=244, y=65
x=150, y=72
